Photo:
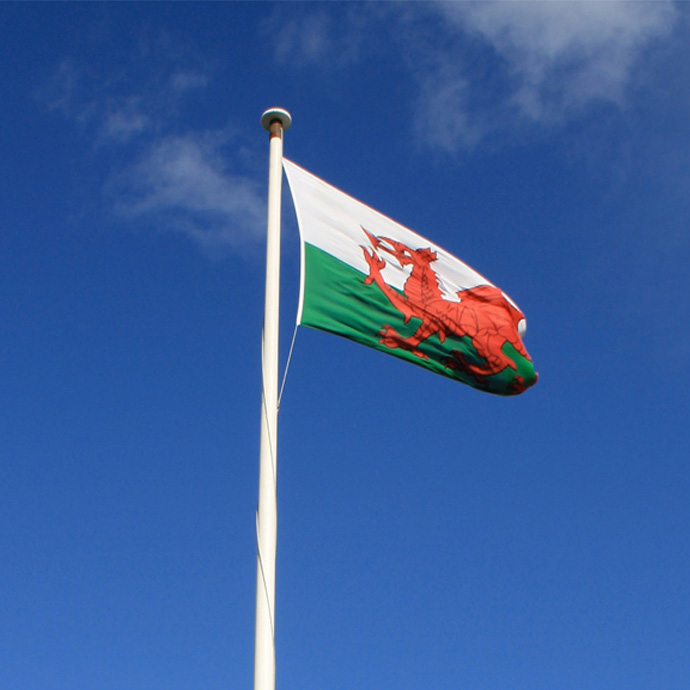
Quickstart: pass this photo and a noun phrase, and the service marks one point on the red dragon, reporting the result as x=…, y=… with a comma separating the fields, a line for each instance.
x=483, y=313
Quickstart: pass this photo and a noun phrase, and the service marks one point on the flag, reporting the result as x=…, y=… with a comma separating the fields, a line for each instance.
x=367, y=278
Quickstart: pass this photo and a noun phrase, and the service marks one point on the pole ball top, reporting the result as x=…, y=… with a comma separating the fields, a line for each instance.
x=273, y=114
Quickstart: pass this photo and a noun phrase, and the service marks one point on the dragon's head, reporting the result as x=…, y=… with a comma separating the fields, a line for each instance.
x=419, y=257
x=401, y=252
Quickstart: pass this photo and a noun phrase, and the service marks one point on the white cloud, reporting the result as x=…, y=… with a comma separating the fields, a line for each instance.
x=303, y=40
x=564, y=54
x=301, y=36
x=108, y=104
x=165, y=179
x=187, y=80
x=124, y=121
x=61, y=91
x=183, y=183
x=555, y=59
x=442, y=112
x=484, y=67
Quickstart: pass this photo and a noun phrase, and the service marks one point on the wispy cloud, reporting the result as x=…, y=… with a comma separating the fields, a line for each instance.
x=483, y=68
x=60, y=92
x=305, y=40
x=126, y=116
x=443, y=112
x=323, y=36
x=188, y=80
x=551, y=61
x=184, y=183
x=124, y=120
x=163, y=176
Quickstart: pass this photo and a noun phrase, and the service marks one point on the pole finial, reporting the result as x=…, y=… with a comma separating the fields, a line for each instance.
x=276, y=114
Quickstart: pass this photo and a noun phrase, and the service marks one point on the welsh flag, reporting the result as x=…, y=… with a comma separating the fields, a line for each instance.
x=369, y=279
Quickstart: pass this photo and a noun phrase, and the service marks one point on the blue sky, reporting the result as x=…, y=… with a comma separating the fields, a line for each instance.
x=430, y=536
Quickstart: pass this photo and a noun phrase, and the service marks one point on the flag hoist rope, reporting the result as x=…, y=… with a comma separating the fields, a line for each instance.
x=276, y=121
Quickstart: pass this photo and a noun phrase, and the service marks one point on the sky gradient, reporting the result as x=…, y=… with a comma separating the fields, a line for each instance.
x=429, y=536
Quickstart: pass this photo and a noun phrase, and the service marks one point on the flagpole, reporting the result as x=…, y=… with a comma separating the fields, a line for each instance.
x=276, y=121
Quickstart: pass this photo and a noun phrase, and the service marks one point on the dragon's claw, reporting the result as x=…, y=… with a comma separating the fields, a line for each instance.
x=392, y=339
x=375, y=265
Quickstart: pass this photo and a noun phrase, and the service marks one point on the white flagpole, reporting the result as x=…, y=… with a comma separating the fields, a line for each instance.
x=276, y=121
